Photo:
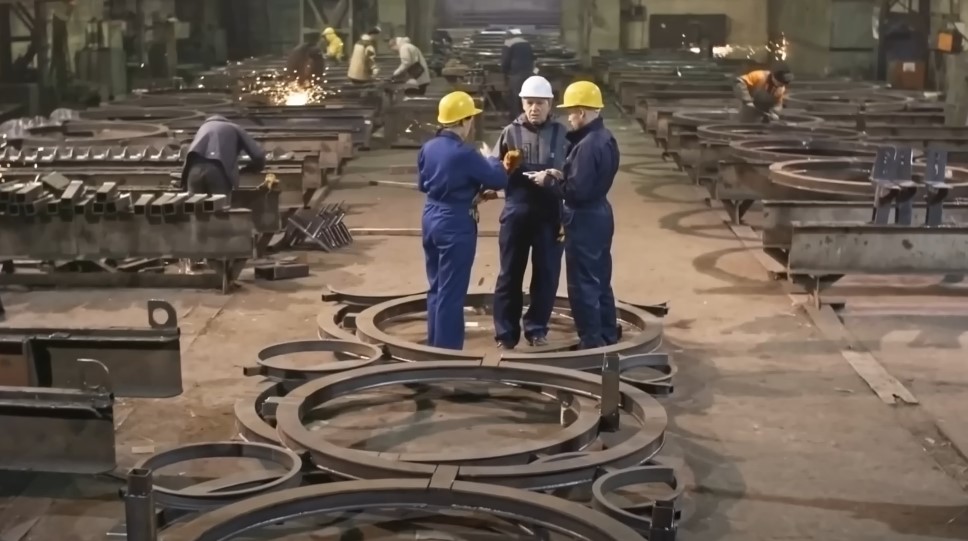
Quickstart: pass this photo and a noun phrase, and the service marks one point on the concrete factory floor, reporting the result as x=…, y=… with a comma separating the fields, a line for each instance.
x=783, y=439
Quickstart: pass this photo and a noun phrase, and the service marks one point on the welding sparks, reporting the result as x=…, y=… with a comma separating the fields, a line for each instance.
x=776, y=49
x=299, y=97
x=281, y=90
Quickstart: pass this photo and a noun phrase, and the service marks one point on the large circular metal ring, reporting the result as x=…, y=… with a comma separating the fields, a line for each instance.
x=369, y=321
x=362, y=299
x=196, y=501
x=615, y=481
x=549, y=512
x=832, y=101
x=850, y=177
x=275, y=367
x=92, y=132
x=174, y=100
x=718, y=116
x=742, y=132
x=358, y=464
x=159, y=115
x=657, y=385
x=788, y=148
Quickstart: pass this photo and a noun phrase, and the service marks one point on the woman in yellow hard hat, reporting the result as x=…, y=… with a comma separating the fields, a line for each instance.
x=590, y=168
x=334, y=45
x=453, y=174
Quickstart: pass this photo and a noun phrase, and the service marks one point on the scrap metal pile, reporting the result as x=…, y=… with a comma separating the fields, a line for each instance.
x=563, y=486
x=854, y=178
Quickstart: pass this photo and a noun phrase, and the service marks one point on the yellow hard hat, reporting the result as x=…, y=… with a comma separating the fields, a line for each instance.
x=582, y=94
x=328, y=31
x=455, y=107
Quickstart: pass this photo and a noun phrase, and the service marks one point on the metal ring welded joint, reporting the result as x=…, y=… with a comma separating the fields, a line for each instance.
x=198, y=501
x=272, y=363
x=641, y=516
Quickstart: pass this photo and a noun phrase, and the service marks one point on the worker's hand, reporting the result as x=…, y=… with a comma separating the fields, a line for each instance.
x=512, y=160
x=488, y=195
x=541, y=178
x=485, y=150
x=773, y=116
x=556, y=173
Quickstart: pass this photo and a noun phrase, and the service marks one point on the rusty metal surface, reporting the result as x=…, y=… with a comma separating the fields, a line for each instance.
x=727, y=133
x=693, y=119
x=847, y=101
x=92, y=132
x=772, y=150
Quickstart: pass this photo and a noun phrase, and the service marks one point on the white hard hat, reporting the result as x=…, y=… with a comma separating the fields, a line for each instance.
x=536, y=86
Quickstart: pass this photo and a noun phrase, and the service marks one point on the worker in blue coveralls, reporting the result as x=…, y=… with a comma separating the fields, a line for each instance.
x=590, y=168
x=455, y=177
x=530, y=221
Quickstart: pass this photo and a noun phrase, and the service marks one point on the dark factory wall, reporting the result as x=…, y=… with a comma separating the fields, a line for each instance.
x=470, y=13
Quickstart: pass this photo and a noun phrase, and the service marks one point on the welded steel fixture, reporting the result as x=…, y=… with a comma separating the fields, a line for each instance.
x=644, y=336
x=197, y=500
x=838, y=101
x=92, y=132
x=509, y=466
x=846, y=178
x=727, y=133
x=655, y=516
x=153, y=115
x=442, y=491
x=255, y=414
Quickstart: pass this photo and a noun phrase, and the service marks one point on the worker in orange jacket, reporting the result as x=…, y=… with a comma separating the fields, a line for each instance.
x=761, y=93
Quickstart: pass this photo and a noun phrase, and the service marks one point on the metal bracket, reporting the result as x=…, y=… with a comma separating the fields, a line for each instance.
x=171, y=317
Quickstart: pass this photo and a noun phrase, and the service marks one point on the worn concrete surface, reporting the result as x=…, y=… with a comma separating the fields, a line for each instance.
x=783, y=440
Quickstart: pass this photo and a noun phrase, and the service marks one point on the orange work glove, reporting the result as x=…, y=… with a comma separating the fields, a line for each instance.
x=512, y=160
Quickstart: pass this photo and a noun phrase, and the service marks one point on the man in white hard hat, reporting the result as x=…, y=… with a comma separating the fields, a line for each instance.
x=530, y=221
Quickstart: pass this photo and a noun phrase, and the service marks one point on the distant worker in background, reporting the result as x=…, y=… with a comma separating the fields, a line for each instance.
x=363, y=66
x=334, y=45
x=413, y=67
x=305, y=63
x=212, y=164
x=517, y=64
x=589, y=225
x=761, y=93
x=530, y=221
x=455, y=177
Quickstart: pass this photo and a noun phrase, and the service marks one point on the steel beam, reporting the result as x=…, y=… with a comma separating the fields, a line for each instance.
x=855, y=248
x=220, y=235
x=779, y=216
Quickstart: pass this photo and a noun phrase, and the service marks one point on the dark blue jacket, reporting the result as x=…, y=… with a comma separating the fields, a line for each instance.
x=590, y=167
x=221, y=141
x=517, y=57
x=542, y=147
x=452, y=172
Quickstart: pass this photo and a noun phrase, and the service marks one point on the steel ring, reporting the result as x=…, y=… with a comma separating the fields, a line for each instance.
x=358, y=464
x=272, y=366
x=549, y=512
x=614, y=481
x=363, y=300
x=368, y=329
x=195, y=501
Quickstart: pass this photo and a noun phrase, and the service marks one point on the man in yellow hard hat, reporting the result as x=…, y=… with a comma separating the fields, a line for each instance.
x=334, y=45
x=453, y=174
x=583, y=184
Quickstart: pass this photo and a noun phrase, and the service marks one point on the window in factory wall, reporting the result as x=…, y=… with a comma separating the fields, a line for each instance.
x=475, y=13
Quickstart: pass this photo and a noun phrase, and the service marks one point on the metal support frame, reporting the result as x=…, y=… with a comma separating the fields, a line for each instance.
x=140, y=362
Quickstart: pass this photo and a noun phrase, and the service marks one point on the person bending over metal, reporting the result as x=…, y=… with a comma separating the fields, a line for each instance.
x=212, y=163
x=363, y=68
x=454, y=176
x=305, y=64
x=517, y=64
x=413, y=67
x=761, y=93
x=583, y=184
x=530, y=221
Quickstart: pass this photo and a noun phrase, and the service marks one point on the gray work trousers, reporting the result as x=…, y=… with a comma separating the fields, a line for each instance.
x=748, y=114
x=208, y=178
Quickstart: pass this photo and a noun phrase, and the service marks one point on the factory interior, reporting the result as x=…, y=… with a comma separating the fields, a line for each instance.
x=274, y=216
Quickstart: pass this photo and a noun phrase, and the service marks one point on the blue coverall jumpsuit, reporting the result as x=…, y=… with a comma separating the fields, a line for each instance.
x=451, y=173
x=590, y=168
x=530, y=222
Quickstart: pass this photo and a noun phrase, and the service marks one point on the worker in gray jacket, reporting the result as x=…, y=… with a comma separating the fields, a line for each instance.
x=413, y=67
x=212, y=162
x=530, y=221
